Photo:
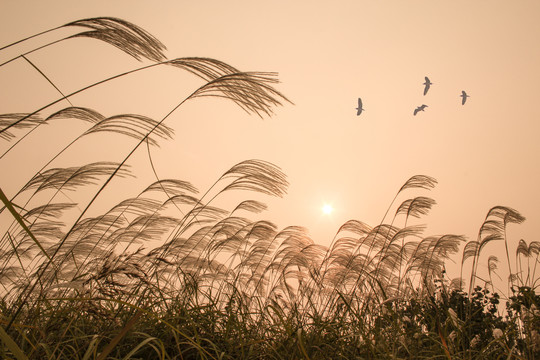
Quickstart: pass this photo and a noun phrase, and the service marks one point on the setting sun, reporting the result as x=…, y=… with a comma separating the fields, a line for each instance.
x=327, y=209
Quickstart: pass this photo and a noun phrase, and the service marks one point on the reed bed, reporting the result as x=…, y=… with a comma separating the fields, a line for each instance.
x=167, y=274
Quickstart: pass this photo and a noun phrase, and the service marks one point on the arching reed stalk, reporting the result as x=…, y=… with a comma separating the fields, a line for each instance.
x=122, y=34
x=493, y=229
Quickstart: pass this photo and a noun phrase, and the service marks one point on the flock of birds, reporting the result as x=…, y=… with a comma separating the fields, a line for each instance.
x=427, y=86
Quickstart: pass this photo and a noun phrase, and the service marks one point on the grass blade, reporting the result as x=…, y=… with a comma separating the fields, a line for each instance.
x=120, y=335
x=12, y=345
x=19, y=219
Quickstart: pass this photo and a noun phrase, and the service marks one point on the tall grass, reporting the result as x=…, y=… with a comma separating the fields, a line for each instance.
x=167, y=274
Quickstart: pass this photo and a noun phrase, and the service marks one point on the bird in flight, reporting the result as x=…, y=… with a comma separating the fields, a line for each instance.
x=464, y=97
x=427, y=85
x=420, y=108
x=359, y=109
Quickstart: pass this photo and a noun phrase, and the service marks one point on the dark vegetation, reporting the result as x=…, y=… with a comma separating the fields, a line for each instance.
x=166, y=274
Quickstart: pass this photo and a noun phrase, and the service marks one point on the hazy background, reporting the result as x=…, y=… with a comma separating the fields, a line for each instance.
x=327, y=54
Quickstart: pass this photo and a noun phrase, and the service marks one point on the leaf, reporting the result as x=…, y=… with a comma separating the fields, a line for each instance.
x=20, y=220
x=49, y=210
x=523, y=248
x=171, y=187
x=505, y=214
x=492, y=263
x=487, y=239
x=73, y=177
x=92, y=347
x=17, y=121
x=119, y=336
x=356, y=227
x=249, y=90
x=257, y=175
x=12, y=345
x=416, y=207
x=251, y=206
x=534, y=247
x=135, y=126
x=470, y=250
x=79, y=113
x=122, y=34
x=419, y=181
x=207, y=69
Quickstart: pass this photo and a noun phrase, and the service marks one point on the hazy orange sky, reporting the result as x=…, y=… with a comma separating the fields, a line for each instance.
x=327, y=54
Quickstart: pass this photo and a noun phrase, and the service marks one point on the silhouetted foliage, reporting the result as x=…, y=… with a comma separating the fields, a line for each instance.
x=166, y=273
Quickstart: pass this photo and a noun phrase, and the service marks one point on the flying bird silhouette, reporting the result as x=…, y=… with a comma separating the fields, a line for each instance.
x=359, y=108
x=427, y=85
x=464, y=97
x=420, y=108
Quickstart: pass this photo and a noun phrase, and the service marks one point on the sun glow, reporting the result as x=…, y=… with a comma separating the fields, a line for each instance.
x=327, y=209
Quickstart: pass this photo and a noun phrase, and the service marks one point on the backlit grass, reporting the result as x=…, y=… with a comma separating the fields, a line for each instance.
x=168, y=274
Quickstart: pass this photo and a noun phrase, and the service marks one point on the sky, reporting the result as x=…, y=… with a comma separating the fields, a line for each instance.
x=327, y=54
